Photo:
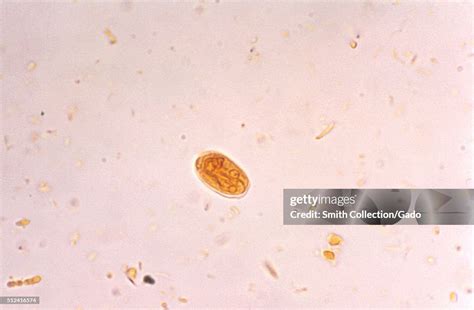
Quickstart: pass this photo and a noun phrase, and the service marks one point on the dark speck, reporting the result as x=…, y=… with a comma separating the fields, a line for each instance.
x=183, y=137
x=148, y=279
x=42, y=113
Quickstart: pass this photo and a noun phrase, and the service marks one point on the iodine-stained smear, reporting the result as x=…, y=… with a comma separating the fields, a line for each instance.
x=105, y=107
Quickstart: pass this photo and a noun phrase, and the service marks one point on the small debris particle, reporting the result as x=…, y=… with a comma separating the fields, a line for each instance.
x=458, y=248
x=42, y=113
x=164, y=306
x=109, y=275
x=329, y=255
x=361, y=182
x=210, y=276
x=261, y=138
x=251, y=287
x=253, y=55
x=279, y=248
x=183, y=137
x=326, y=130
x=31, y=66
x=353, y=44
x=430, y=260
x=149, y=280
x=423, y=71
x=434, y=60
x=391, y=100
x=233, y=212
x=53, y=203
x=453, y=297
x=75, y=238
x=334, y=240
x=116, y=291
x=199, y=10
x=8, y=146
x=23, y=222
x=285, y=34
x=110, y=36
x=153, y=227
x=183, y=300
x=300, y=290
x=43, y=243
x=44, y=187
x=270, y=269
x=92, y=256
x=380, y=163
x=242, y=125
x=222, y=239
x=436, y=230
x=34, y=136
x=71, y=113
x=131, y=274
x=74, y=202
x=460, y=68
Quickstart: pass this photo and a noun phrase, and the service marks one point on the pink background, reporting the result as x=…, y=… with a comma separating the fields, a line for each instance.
x=121, y=171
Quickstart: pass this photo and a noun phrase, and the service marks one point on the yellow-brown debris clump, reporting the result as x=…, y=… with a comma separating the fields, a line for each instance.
x=131, y=273
x=334, y=240
x=110, y=36
x=270, y=269
x=453, y=297
x=326, y=130
x=27, y=281
x=23, y=222
x=329, y=255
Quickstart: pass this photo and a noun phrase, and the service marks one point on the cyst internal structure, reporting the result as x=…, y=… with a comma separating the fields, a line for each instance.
x=221, y=174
